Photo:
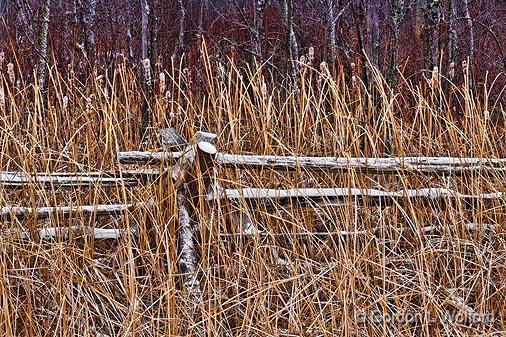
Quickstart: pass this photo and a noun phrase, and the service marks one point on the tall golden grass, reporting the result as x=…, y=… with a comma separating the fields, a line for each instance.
x=287, y=281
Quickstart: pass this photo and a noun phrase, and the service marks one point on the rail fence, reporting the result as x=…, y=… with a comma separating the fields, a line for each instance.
x=200, y=158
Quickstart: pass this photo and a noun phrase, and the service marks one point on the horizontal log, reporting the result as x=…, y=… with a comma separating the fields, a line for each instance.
x=144, y=157
x=66, y=211
x=384, y=165
x=331, y=195
x=49, y=233
x=75, y=179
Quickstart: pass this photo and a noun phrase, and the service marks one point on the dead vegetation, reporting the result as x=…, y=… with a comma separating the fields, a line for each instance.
x=412, y=267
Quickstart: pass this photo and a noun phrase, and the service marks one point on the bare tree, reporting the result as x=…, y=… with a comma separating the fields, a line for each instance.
x=471, y=32
x=43, y=44
x=257, y=31
x=146, y=67
x=292, y=45
x=145, y=29
x=90, y=13
x=373, y=40
x=399, y=10
x=200, y=25
x=434, y=14
x=452, y=35
x=182, y=25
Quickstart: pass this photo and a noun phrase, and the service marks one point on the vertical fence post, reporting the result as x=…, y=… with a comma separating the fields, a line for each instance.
x=195, y=162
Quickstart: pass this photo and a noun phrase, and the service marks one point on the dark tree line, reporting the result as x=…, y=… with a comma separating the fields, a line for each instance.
x=392, y=35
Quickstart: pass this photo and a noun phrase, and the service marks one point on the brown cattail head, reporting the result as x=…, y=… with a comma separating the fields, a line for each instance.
x=2, y=59
x=324, y=69
x=10, y=73
x=89, y=105
x=435, y=76
x=263, y=88
x=451, y=72
x=303, y=60
x=2, y=100
x=65, y=103
x=146, y=64
x=353, y=68
x=163, y=85
x=310, y=56
x=464, y=65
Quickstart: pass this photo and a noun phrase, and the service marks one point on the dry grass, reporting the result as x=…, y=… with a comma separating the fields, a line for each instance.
x=286, y=281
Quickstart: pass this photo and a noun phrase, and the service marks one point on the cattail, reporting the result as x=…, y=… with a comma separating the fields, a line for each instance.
x=188, y=76
x=324, y=69
x=354, y=80
x=162, y=83
x=303, y=60
x=2, y=59
x=451, y=72
x=147, y=71
x=65, y=103
x=10, y=73
x=89, y=106
x=263, y=88
x=435, y=76
x=2, y=100
x=310, y=55
x=464, y=65
x=486, y=115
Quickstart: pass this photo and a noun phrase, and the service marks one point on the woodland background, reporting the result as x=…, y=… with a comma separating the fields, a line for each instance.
x=398, y=36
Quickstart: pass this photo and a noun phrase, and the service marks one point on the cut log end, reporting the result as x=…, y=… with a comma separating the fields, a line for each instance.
x=207, y=148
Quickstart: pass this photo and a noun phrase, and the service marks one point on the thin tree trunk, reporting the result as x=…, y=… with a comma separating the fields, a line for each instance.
x=471, y=32
x=146, y=68
x=200, y=24
x=372, y=48
x=292, y=46
x=434, y=9
x=144, y=29
x=43, y=44
x=90, y=11
x=154, y=20
x=182, y=24
x=257, y=32
x=452, y=37
x=399, y=11
x=330, y=32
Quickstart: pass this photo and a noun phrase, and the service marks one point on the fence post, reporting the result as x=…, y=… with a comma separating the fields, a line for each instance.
x=189, y=174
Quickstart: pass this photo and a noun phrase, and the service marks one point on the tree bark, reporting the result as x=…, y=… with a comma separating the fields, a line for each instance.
x=292, y=46
x=399, y=12
x=200, y=25
x=452, y=32
x=181, y=48
x=43, y=44
x=434, y=11
x=90, y=13
x=471, y=32
x=144, y=29
x=330, y=33
x=257, y=32
x=372, y=47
